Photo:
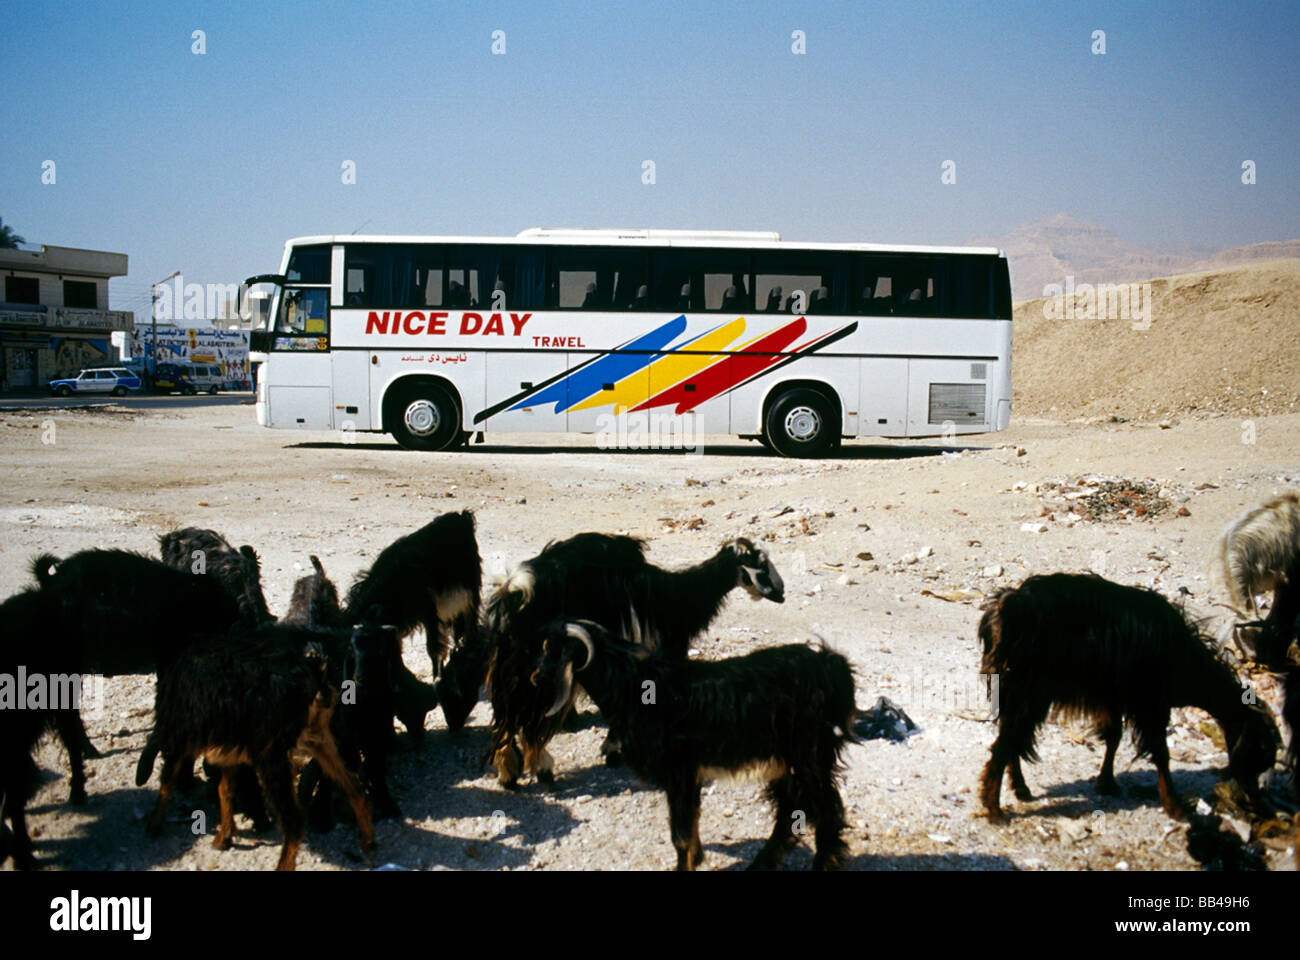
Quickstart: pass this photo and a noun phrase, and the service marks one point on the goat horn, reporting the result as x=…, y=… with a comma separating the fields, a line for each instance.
x=579, y=633
x=566, y=688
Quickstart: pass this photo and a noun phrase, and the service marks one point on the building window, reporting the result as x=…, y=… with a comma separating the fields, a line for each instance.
x=22, y=290
x=80, y=294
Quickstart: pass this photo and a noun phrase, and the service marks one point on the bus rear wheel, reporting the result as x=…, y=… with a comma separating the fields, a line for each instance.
x=800, y=423
x=425, y=418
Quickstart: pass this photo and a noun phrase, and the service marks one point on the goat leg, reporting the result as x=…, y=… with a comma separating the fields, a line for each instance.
x=781, y=792
x=226, y=794
x=829, y=818
x=326, y=753
x=1111, y=730
x=276, y=775
x=684, y=819
x=1018, y=785
x=20, y=845
x=73, y=735
x=171, y=766
x=1153, y=734
x=88, y=749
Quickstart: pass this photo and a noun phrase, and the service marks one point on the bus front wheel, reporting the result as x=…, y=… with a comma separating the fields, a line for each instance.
x=425, y=419
x=800, y=423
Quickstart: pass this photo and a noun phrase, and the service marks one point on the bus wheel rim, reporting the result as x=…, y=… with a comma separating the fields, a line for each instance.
x=803, y=423
x=422, y=418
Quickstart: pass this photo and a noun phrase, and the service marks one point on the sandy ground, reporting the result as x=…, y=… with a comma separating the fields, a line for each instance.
x=859, y=539
x=1220, y=341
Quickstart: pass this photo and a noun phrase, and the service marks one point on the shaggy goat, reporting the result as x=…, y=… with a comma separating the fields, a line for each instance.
x=1116, y=654
x=126, y=613
x=315, y=600
x=607, y=579
x=117, y=612
x=370, y=668
x=1259, y=552
x=430, y=579
x=197, y=551
x=253, y=700
x=783, y=714
x=26, y=712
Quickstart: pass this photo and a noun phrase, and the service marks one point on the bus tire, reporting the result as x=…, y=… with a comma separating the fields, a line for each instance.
x=800, y=423
x=425, y=418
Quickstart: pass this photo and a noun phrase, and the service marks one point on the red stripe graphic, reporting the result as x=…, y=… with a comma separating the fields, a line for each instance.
x=729, y=371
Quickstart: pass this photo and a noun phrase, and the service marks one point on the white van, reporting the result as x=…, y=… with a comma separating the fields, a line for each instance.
x=205, y=376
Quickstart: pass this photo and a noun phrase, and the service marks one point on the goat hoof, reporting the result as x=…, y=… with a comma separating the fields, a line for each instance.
x=546, y=779
x=222, y=843
x=1108, y=788
x=77, y=797
x=830, y=861
x=996, y=815
x=614, y=759
x=1023, y=794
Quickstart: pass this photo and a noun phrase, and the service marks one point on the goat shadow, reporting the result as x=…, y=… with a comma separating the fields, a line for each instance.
x=872, y=451
x=801, y=858
x=1137, y=788
x=113, y=835
x=447, y=778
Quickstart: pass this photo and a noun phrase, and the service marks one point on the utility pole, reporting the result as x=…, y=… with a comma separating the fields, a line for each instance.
x=153, y=350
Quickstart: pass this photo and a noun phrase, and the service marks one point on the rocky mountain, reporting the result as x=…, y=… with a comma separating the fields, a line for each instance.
x=1044, y=252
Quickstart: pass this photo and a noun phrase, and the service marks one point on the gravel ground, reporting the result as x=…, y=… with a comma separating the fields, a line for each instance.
x=886, y=551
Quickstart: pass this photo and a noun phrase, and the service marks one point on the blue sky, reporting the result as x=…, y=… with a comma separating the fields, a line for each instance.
x=208, y=163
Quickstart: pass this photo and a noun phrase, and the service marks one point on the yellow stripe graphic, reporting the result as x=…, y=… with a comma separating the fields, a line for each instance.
x=666, y=371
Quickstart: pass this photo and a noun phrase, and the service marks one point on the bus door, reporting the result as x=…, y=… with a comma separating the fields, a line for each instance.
x=299, y=378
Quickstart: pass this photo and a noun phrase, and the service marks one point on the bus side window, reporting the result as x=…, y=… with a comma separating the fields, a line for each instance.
x=359, y=285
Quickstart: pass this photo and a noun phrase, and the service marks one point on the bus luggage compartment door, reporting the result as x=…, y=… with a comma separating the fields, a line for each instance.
x=882, y=401
x=947, y=397
x=298, y=394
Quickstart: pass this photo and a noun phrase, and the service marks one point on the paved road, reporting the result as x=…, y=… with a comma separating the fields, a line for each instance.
x=141, y=401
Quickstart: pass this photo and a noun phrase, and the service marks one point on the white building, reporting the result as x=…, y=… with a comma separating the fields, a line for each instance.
x=54, y=316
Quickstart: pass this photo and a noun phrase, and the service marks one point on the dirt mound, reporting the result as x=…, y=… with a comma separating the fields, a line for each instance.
x=1220, y=342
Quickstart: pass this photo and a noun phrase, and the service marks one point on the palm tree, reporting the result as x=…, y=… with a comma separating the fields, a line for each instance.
x=8, y=239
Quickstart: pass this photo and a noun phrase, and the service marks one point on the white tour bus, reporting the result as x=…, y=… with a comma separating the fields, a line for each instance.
x=434, y=339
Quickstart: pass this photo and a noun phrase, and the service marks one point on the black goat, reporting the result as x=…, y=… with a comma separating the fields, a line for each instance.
x=430, y=579
x=117, y=612
x=783, y=714
x=604, y=578
x=198, y=551
x=1259, y=552
x=315, y=600
x=26, y=714
x=1117, y=654
x=125, y=613
x=253, y=700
